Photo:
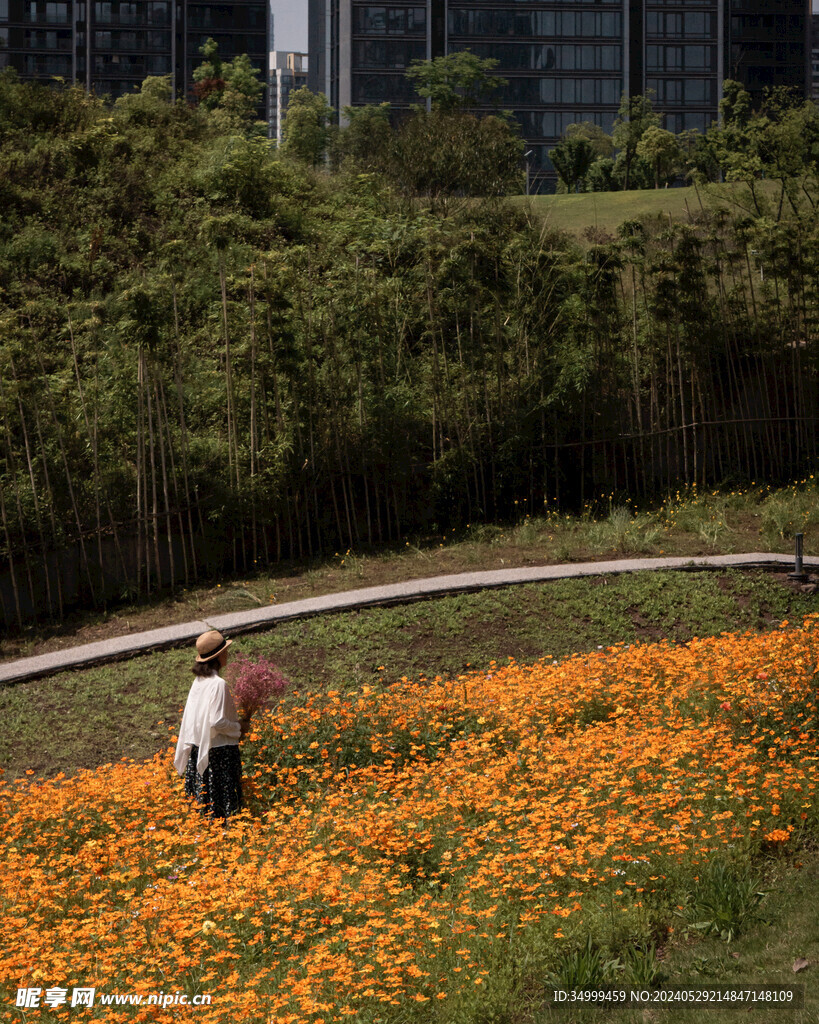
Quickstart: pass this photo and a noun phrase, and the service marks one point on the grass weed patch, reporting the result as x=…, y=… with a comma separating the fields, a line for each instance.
x=727, y=900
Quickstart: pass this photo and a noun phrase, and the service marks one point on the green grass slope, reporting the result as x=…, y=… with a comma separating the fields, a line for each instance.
x=606, y=211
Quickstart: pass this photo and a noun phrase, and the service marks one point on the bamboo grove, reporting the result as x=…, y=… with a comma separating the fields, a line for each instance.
x=211, y=359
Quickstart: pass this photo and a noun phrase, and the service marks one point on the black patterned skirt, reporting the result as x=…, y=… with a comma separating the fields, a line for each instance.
x=219, y=790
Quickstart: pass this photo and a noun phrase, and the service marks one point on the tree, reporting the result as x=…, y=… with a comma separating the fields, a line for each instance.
x=209, y=79
x=451, y=152
x=307, y=126
x=458, y=81
x=154, y=92
x=366, y=137
x=660, y=148
x=735, y=105
x=601, y=143
x=600, y=176
x=230, y=87
x=635, y=116
x=448, y=150
x=243, y=91
x=572, y=158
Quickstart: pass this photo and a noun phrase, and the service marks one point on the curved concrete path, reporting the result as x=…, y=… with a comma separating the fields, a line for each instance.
x=367, y=597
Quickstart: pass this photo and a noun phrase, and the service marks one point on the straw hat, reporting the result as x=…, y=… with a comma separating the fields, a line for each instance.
x=210, y=644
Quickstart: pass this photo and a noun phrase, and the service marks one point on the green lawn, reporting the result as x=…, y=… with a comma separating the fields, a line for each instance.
x=606, y=211
x=82, y=719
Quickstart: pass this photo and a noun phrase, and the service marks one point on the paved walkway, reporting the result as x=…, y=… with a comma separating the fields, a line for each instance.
x=394, y=593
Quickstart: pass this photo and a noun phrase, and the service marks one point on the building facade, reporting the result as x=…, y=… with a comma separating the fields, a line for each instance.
x=288, y=71
x=565, y=60
x=111, y=46
x=814, y=59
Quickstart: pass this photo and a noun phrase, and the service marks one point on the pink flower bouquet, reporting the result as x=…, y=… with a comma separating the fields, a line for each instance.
x=256, y=683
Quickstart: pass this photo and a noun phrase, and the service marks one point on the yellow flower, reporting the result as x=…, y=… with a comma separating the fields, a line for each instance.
x=208, y=927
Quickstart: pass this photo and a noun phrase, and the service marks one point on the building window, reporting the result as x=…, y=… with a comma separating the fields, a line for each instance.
x=679, y=58
x=389, y=20
x=158, y=13
x=376, y=53
x=158, y=64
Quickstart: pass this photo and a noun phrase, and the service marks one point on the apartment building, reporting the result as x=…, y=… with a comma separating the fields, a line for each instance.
x=110, y=46
x=565, y=60
x=288, y=71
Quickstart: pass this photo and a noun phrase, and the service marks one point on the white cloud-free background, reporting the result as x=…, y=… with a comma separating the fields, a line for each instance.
x=290, y=25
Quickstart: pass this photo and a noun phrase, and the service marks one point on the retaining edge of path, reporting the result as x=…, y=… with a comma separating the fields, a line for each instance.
x=254, y=619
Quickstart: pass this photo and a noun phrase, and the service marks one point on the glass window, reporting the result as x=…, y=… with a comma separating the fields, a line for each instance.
x=699, y=90
x=549, y=24
x=396, y=19
x=698, y=57
x=158, y=64
x=392, y=20
x=610, y=25
x=47, y=64
x=374, y=88
x=57, y=13
x=696, y=120
x=103, y=12
x=565, y=57
x=696, y=24
x=388, y=53
x=4, y=10
x=371, y=19
x=562, y=89
x=159, y=13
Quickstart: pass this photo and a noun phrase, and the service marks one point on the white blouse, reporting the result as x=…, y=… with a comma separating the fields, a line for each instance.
x=209, y=720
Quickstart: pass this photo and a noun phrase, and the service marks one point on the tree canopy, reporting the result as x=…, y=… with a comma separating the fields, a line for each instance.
x=216, y=355
x=460, y=80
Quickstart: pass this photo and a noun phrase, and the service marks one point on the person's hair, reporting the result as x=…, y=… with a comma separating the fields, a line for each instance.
x=206, y=668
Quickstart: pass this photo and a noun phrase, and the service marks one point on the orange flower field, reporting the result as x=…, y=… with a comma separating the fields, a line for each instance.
x=403, y=845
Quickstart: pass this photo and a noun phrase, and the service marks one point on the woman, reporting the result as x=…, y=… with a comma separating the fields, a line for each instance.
x=207, y=752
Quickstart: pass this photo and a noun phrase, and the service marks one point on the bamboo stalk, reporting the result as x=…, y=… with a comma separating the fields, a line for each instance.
x=50, y=498
x=35, y=499
x=10, y=557
x=96, y=464
x=146, y=376
x=183, y=434
x=165, y=489
x=68, y=479
x=11, y=463
x=253, y=427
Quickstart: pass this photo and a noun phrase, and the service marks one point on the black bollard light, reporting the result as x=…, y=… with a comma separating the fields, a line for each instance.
x=798, y=573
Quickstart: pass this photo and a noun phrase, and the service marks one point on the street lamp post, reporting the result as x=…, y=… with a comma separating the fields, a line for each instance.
x=526, y=156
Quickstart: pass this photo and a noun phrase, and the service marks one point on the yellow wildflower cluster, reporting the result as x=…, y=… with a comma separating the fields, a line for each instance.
x=398, y=839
